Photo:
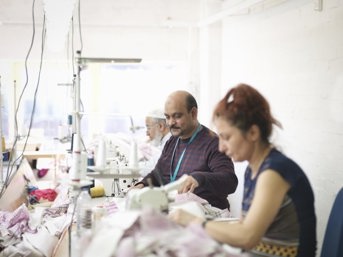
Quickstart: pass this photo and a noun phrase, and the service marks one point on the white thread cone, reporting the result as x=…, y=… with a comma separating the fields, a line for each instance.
x=101, y=155
x=133, y=161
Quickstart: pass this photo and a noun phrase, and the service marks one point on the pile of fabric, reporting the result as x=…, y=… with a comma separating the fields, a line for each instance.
x=150, y=233
x=25, y=232
x=42, y=195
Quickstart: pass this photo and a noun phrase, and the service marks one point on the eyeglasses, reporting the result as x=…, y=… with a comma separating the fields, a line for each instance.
x=150, y=126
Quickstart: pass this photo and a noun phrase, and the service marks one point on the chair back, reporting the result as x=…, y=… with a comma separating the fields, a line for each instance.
x=333, y=237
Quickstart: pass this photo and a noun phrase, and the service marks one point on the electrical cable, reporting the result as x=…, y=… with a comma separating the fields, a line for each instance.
x=37, y=87
x=79, y=68
x=10, y=167
x=80, y=33
x=72, y=47
x=9, y=171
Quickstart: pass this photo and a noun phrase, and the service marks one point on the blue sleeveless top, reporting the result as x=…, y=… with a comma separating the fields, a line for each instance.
x=293, y=231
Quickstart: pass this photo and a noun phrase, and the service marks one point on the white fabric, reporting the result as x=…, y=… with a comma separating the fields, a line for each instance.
x=105, y=241
x=110, y=233
x=43, y=241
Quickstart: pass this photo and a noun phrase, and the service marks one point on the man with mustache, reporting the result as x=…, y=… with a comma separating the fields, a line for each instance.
x=192, y=150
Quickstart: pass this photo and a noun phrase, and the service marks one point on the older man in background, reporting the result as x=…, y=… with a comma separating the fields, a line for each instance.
x=156, y=128
x=158, y=133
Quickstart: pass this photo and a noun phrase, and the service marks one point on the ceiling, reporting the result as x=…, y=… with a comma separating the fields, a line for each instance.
x=132, y=13
x=122, y=13
x=17, y=15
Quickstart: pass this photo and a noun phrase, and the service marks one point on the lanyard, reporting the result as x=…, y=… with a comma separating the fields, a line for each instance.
x=173, y=177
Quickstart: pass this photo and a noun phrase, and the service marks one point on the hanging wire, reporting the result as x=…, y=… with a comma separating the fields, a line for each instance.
x=10, y=168
x=80, y=33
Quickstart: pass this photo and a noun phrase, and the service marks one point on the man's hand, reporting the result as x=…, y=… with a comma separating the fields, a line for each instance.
x=138, y=186
x=188, y=186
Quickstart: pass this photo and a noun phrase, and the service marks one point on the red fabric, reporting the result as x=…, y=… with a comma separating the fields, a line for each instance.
x=48, y=194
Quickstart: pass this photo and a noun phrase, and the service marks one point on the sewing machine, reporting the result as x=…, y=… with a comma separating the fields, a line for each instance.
x=155, y=197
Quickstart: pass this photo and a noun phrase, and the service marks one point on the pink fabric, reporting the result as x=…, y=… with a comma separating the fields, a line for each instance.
x=181, y=198
x=111, y=207
x=42, y=172
x=153, y=234
x=17, y=236
x=14, y=224
x=44, y=194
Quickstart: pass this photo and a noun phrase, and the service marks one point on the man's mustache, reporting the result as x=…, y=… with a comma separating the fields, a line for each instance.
x=173, y=127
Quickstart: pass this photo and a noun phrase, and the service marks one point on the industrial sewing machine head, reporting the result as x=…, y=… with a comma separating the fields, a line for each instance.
x=155, y=197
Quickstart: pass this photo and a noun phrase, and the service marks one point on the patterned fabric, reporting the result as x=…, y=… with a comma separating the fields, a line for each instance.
x=13, y=225
x=54, y=212
x=266, y=249
x=24, y=233
x=111, y=207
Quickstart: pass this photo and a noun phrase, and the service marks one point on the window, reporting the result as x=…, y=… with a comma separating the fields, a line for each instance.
x=112, y=95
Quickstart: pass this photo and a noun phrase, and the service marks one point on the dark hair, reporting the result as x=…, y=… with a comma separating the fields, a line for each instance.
x=190, y=102
x=243, y=106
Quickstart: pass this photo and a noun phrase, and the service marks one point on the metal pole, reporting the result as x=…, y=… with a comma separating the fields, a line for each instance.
x=77, y=101
x=75, y=172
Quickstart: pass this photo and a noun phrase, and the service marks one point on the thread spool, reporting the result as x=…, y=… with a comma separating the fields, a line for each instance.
x=75, y=171
x=3, y=144
x=98, y=213
x=83, y=165
x=97, y=191
x=86, y=222
x=90, y=159
x=133, y=161
x=60, y=132
x=101, y=155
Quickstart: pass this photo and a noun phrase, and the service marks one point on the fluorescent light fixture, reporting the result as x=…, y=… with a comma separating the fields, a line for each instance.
x=84, y=60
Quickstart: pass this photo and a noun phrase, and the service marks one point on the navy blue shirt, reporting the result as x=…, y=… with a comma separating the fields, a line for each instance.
x=297, y=213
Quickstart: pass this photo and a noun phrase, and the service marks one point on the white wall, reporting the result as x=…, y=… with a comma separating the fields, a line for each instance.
x=294, y=56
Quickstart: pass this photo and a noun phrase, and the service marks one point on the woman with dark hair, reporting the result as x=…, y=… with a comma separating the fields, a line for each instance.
x=278, y=214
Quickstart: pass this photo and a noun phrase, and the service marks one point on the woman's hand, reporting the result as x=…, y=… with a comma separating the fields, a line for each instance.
x=184, y=218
